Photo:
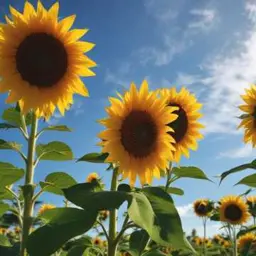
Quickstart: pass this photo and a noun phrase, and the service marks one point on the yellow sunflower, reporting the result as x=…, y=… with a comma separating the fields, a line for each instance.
x=233, y=210
x=3, y=231
x=217, y=239
x=249, y=120
x=103, y=215
x=248, y=239
x=45, y=207
x=92, y=177
x=97, y=241
x=186, y=126
x=42, y=59
x=137, y=136
x=202, y=207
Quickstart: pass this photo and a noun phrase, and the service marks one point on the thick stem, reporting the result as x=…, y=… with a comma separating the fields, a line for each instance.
x=112, y=245
x=28, y=189
x=204, y=245
x=234, y=242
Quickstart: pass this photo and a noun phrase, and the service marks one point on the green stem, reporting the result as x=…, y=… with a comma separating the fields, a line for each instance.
x=112, y=245
x=204, y=245
x=28, y=189
x=234, y=242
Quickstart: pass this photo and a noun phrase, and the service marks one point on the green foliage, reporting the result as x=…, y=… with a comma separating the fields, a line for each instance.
x=154, y=252
x=13, y=117
x=9, y=145
x=248, y=181
x=173, y=190
x=138, y=241
x=56, y=181
x=4, y=241
x=94, y=158
x=54, y=151
x=9, y=174
x=6, y=126
x=59, y=128
x=62, y=224
x=4, y=208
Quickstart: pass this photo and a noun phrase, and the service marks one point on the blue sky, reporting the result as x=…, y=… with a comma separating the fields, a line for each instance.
x=206, y=46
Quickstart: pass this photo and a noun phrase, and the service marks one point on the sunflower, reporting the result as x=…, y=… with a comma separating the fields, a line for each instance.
x=3, y=231
x=186, y=126
x=42, y=60
x=249, y=120
x=248, y=239
x=92, y=177
x=233, y=210
x=251, y=202
x=97, y=241
x=202, y=207
x=226, y=244
x=45, y=207
x=217, y=239
x=17, y=230
x=137, y=136
x=104, y=215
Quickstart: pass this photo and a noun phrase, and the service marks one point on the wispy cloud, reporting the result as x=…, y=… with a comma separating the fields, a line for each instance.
x=245, y=151
x=185, y=210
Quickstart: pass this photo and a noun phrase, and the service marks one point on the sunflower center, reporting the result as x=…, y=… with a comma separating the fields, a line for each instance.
x=201, y=209
x=41, y=60
x=180, y=125
x=139, y=133
x=233, y=212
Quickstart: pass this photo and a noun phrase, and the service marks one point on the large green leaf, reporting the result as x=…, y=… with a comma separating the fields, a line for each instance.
x=239, y=168
x=7, y=126
x=4, y=208
x=10, y=251
x=189, y=172
x=56, y=181
x=5, y=194
x=94, y=158
x=173, y=190
x=62, y=224
x=55, y=151
x=12, y=116
x=89, y=196
x=249, y=181
x=138, y=241
x=9, y=174
x=59, y=128
x=154, y=252
x=154, y=211
x=9, y=145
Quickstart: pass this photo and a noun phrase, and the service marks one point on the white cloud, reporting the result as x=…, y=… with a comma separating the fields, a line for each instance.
x=250, y=7
x=185, y=210
x=187, y=79
x=245, y=151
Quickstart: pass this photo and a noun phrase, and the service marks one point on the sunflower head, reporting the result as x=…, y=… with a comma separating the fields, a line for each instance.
x=136, y=136
x=92, y=177
x=104, y=215
x=45, y=207
x=42, y=60
x=186, y=127
x=247, y=241
x=251, y=202
x=3, y=231
x=17, y=230
x=233, y=210
x=203, y=207
x=226, y=244
x=217, y=239
x=97, y=241
x=249, y=118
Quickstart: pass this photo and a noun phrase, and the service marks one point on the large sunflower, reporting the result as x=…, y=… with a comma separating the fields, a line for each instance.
x=233, y=210
x=137, y=136
x=186, y=126
x=42, y=60
x=246, y=240
x=249, y=119
x=202, y=207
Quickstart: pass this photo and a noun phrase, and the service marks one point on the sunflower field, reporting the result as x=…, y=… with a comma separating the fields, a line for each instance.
x=144, y=135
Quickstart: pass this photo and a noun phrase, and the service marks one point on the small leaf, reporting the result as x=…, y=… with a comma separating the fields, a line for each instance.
x=55, y=151
x=173, y=190
x=189, y=172
x=9, y=174
x=4, y=241
x=62, y=225
x=3, y=208
x=153, y=252
x=5, y=194
x=9, y=145
x=60, y=128
x=56, y=181
x=12, y=116
x=248, y=180
x=7, y=126
x=239, y=168
x=94, y=158
x=138, y=241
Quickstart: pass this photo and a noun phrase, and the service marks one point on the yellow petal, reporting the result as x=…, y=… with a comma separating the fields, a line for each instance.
x=65, y=24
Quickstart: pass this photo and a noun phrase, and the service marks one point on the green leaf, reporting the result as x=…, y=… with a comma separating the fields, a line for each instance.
x=7, y=126
x=154, y=211
x=189, y=172
x=239, y=168
x=76, y=250
x=94, y=158
x=138, y=241
x=12, y=116
x=3, y=208
x=246, y=230
x=10, y=251
x=9, y=145
x=60, y=128
x=56, y=181
x=55, y=151
x=248, y=181
x=4, y=241
x=154, y=252
x=5, y=194
x=62, y=225
x=173, y=190
x=89, y=196
x=9, y=174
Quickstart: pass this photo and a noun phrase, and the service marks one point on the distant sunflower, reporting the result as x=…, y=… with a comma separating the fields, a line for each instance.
x=233, y=210
x=137, y=136
x=92, y=177
x=217, y=239
x=3, y=231
x=97, y=241
x=202, y=207
x=226, y=244
x=42, y=60
x=249, y=120
x=186, y=126
x=248, y=239
x=45, y=207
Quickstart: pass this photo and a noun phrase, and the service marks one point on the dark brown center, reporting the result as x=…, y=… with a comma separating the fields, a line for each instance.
x=139, y=133
x=201, y=208
x=233, y=212
x=41, y=60
x=180, y=125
